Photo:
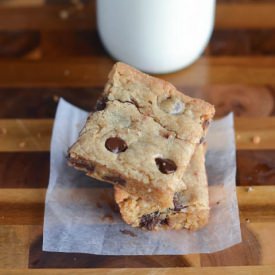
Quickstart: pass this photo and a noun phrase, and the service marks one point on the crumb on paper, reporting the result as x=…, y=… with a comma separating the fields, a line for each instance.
x=64, y=14
x=128, y=232
x=4, y=131
x=22, y=144
x=249, y=189
x=67, y=72
x=55, y=98
x=256, y=139
x=107, y=217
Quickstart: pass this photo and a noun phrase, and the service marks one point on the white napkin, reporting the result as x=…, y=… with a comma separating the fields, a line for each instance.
x=79, y=214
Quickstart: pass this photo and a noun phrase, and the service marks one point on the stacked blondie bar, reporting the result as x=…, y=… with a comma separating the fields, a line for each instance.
x=147, y=139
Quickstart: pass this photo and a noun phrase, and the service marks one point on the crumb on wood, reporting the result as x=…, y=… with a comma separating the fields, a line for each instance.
x=128, y=232
x=107, y=217
x=3, y=131
x=38, y=135
x=64, y=14
x=256, y=139
x=67, y=72
x=55, y=98
x=78, y=4
x=247, y=220
x=249, y=189
x=22, y=144
x=238, y=137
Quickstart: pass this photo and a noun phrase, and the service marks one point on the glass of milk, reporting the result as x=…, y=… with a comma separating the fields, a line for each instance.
x=156, y=36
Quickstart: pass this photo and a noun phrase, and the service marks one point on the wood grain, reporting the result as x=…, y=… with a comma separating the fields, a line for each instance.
x=24, y=170
x=46, y=17
x=42, y=102
x=255, y=167
x=257, y=15
x=18, y=44
x=92, y=72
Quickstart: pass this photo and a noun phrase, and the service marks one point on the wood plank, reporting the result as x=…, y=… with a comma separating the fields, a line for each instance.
x=237, y=42
x=24, y=170
x=240, y=270
x=255, y=167
x=92, y=72
x=242, y=42
x=18, y=44
x=14, y=245
x=256, y=248
x=26, y=206
x=42, y=102
x=245, y=15
x=33, y=135
x=47, y=17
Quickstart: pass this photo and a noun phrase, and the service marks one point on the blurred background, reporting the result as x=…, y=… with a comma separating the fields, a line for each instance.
x=51, y=48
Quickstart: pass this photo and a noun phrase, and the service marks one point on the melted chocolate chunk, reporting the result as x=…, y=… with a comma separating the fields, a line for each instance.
x=166, y=166
x=150, y=221
x=101, y=104
x=115, y=180
x=116, y=145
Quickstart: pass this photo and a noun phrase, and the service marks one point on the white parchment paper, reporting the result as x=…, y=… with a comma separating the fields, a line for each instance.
x=79, y=212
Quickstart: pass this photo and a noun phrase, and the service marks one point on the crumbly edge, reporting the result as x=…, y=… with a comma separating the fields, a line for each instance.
x=193, y=218
x=100, y=172
x=124, y=69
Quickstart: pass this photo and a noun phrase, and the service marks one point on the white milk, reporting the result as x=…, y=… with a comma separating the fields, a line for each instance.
x=156, y=36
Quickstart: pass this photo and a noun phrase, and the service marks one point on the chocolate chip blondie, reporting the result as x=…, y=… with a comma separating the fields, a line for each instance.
x=190, y=210
x=142, y=135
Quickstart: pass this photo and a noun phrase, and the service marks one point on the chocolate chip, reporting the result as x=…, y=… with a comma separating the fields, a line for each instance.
x=115, y=180
x=177, y=204
x=116, y=145
x=101, y=104
x=150, y=221
x=166, y=166
x=164, y=222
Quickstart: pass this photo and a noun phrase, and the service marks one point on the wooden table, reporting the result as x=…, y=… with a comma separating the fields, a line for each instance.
x=51, y=50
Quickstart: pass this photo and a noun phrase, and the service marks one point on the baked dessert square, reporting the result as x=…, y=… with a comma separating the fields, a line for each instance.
x=191, y=206
x=142, y=135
